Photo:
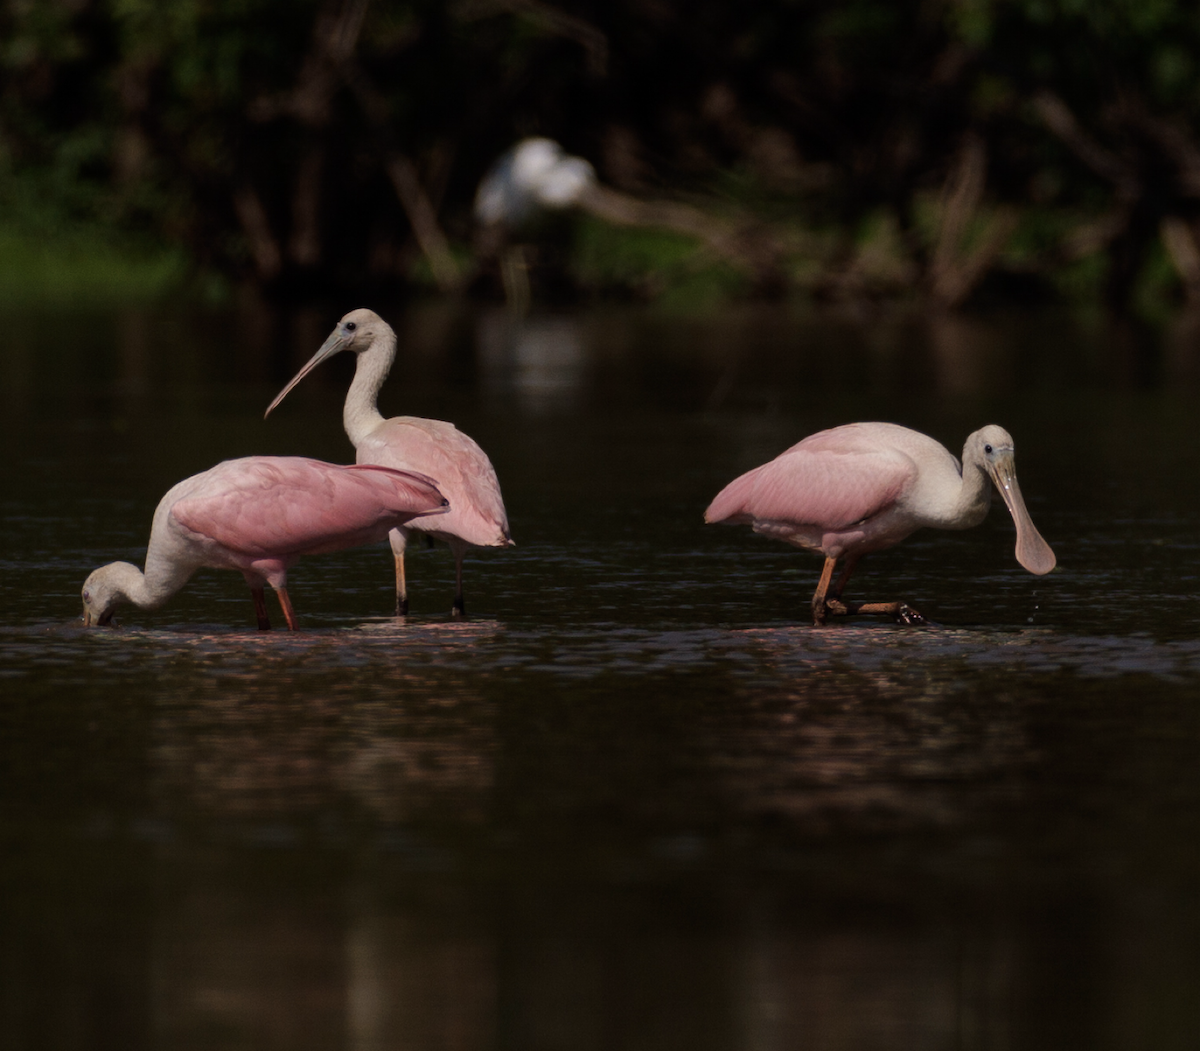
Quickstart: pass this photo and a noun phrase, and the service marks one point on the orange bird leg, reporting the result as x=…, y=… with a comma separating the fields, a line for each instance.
x=833, y=602
x=901, y=612
x=285, y=604
x=260, y=609
x=818, y=600
x=401, y=585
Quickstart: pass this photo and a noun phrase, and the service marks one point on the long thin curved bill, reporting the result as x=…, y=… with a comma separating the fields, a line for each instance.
x=330, y=347
x=1032, y=551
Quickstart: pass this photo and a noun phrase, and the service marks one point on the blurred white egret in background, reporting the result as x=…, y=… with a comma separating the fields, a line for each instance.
x=534, y=177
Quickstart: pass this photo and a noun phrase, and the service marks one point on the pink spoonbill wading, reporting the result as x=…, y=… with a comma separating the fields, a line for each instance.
x=459, y=466
x=258, y=515
x=864, y=487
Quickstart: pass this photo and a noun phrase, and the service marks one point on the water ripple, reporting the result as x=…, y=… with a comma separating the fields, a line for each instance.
x=581, y=651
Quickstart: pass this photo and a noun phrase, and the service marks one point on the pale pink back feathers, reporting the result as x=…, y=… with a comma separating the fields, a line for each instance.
x=462, y=469
x=284, y=507
x=828, y=481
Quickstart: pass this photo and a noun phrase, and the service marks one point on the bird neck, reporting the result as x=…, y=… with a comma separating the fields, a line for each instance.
x=132, y=585
x=361, y=413
x=974, y=496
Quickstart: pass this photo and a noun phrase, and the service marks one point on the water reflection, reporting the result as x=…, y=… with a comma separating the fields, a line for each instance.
x=972, y=358
x=421, y=971
x=291, y=949
x=133, y=346
x=541, y=359
x=639, y=801
x=902, y=982
x=393, y=743
x=768, y=359
x=837, y=748
x=1182, y=349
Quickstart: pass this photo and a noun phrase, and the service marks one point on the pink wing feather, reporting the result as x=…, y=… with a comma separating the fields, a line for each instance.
x=462, y=469
x=819, y=482
x=282, y=506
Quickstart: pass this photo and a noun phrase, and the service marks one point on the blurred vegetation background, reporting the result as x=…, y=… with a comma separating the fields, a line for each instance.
x=946, y=150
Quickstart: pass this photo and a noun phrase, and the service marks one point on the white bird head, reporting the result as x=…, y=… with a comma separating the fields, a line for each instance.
x=991, y=449
x=103, y=592
x=358, y=331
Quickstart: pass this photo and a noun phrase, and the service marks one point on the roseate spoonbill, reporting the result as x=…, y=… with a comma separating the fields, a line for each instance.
x=259, y=514
x=866, y=486
x=459, y=466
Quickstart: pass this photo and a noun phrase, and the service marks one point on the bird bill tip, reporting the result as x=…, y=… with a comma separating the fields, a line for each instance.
x=1036, y=555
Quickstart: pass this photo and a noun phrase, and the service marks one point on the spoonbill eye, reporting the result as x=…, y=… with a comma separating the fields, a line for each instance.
x=350, y=326
x=987, y=449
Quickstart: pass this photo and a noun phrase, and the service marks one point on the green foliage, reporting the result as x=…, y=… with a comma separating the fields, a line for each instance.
x=1157, y=290
x=650, y=264
x=255, y=137
x=1081, y=280
x=84, y=267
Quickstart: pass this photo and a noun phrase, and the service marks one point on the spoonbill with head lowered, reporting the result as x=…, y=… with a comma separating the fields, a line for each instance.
x=863, y=487
x=459, y=466
x=258, y=515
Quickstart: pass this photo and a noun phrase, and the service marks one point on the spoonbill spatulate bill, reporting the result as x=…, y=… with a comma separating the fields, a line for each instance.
x=459, y=466
x=258, y=515
x=864, y=487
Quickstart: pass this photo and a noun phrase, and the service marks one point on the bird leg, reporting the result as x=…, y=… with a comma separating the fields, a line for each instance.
x=832, y=602
x=286, y=605
x=460, y=608
x=260, y=609
x=900, y=612
x=401, y=585
x=819, y=607
x=514, y=272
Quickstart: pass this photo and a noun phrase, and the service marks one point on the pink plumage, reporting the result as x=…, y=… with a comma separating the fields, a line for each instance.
x=863, y=487
x=259, y=515
x=811, y=485
x=461, y=468
x=279, y=507
x=827, y=486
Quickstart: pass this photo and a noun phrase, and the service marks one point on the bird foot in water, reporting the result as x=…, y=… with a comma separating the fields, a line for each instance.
x=905, y=614
x=829, y=608
x=900, y=612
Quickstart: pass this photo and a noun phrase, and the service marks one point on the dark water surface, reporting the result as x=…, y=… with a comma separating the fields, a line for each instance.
x=635, y=801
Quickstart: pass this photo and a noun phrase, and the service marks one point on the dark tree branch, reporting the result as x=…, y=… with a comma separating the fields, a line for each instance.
x=586, y=35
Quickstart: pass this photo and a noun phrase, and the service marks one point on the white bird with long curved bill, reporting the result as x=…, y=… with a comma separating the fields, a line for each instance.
x=460, y=467
x=864, y=487
x=258, y=515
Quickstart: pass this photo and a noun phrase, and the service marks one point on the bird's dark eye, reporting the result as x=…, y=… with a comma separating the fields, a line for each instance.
x=87, y=597
x=987, y=449
x=350, y=326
